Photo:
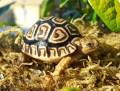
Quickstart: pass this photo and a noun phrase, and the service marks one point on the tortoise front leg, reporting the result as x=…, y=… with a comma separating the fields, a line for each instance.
x=62, y=65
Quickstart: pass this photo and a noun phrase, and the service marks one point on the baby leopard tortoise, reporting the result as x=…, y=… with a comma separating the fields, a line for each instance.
x=53, y=39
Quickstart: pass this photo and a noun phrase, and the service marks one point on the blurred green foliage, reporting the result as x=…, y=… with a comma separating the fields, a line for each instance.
x=68, y=9
x=46, y=8
x=63, y=2
x=107, y=10
x=6, y=24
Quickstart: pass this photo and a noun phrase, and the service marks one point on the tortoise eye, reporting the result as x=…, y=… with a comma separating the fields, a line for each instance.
x=89, y=44
x=58, y=35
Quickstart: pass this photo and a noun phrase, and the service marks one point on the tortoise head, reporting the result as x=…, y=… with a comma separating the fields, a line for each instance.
x=88, y=45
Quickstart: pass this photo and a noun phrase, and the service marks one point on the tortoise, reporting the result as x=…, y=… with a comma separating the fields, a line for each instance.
x=53, y=39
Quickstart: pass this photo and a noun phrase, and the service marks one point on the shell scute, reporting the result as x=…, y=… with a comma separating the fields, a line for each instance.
x=43, y=31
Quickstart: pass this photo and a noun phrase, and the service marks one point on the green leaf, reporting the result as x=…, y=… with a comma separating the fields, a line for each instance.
x=94, y=17
x=109, y=12
x=63, y=2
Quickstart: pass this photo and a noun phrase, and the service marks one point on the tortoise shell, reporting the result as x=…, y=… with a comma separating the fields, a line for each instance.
x=50, y=39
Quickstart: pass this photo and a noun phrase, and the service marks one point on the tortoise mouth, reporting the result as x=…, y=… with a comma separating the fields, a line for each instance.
x=88, y=51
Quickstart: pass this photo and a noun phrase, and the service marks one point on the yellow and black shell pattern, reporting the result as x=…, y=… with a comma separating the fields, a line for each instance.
x=50, y=39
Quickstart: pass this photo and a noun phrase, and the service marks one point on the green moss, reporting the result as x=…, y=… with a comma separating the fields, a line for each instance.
x=70, y=89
